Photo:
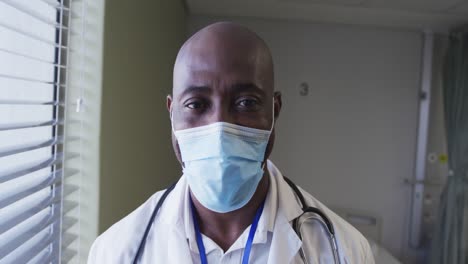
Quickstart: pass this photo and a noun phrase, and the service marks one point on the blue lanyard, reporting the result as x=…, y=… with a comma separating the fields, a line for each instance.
x=248, y=245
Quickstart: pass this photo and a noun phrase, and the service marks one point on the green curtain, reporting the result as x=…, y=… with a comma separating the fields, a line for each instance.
x=450, y=237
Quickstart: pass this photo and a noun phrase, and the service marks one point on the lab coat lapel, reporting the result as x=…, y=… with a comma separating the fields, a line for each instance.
x=285, y=243
x=178, y=250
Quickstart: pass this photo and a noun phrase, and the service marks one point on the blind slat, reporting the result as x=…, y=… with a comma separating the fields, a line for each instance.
x=67, y=239
x=27, y=79
x=7, y=76
x=68, y=222
x=69, y=189
x=31, y=146
x=36, y=249
x=32, y=36
x=22, y=102
x=52, y=179
x=29, y=125
x=68, y=255
x=19, y=54
x=27, y=234
x=46, y=258
x=56, y=4
x=70, y=172
x=34, y=14
x=48, y=201
x=32, y=167
x=69, y=206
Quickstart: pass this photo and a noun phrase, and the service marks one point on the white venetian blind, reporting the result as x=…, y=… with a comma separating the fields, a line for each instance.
x=39, y=197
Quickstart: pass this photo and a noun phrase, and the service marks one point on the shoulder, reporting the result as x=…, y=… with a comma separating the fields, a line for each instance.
x=119, y=241
x=353, y=245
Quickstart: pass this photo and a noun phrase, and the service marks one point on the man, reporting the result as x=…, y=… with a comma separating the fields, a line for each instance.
x=232, y=205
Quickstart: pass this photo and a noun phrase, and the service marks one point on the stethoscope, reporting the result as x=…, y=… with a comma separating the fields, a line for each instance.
x=309, y=213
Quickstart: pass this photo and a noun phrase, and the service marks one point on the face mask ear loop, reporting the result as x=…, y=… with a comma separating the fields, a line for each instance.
x=272, y=126
x=172, y=123
x=173, y=131
x=273, y=116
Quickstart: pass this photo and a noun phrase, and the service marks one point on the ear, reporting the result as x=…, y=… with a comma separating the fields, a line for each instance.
x=169, y=103
x=278, y=103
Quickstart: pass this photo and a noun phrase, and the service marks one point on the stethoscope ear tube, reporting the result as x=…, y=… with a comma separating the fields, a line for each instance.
x=150, y=222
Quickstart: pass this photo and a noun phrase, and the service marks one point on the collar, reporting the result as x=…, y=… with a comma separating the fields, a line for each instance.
x=266, y=223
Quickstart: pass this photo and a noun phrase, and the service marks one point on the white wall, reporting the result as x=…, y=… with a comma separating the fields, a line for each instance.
x=351, y=141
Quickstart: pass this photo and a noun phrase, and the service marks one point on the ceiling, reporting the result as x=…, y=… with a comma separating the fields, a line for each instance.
x=423, y=15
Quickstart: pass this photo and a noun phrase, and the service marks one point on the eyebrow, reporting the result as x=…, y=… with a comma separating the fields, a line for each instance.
x=248, y=87
x=238, y=88
x=195, y=89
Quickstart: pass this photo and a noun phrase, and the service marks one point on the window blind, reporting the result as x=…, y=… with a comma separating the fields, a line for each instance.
x=38, y=40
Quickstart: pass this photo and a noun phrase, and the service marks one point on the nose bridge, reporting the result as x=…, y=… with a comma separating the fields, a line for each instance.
x=221, y=111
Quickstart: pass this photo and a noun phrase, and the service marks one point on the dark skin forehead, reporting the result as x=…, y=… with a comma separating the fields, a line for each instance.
x=226, y=54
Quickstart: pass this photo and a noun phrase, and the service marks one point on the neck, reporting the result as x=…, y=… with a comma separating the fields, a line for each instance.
x=226, y=228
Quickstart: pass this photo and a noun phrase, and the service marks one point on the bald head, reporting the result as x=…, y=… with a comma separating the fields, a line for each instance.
x=227, y=46
x=224, y=73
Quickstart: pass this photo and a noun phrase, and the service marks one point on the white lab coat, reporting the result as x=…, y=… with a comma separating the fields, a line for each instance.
x=167, y=241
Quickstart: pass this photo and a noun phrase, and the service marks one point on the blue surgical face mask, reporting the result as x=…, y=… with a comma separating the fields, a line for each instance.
x=223, y=163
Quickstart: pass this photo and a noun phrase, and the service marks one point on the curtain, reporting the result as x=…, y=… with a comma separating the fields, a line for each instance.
x=450, y=239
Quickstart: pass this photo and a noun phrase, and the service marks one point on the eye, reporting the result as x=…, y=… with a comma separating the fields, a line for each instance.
x=248, y=103
x=196, y=104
